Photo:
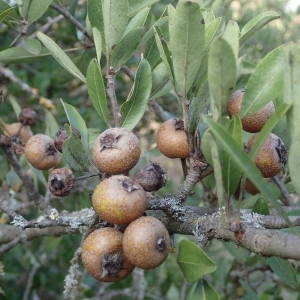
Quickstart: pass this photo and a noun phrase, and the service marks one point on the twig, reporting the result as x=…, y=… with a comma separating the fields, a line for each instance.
x=184, y=167
x=139, y=284
x=286, y=200
x=30, y=280
x=5, y=248
x=111, y=92
x=128, y=72
x=163, y=115
x=69, y=16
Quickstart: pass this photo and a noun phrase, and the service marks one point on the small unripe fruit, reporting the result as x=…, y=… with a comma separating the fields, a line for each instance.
x=254, y=122
x=151, y=177
x=172, y=140
x=271, y=157
x=61, y=181
x=103, y=257
x=18, y=130
x=119, y=200
x=28, y=116
x=41, y=153
x=146, y=242
x=116, y=151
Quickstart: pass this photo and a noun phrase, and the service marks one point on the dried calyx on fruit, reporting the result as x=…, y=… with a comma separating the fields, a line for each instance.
x=172, y=140
x=61, y=181
x=18, y=132
x=151, y=177
x=146, y=242
x=116, y=151
x=119, y=200
x=253, y=122
x=271, y=157
x=41, y=153
x=61, y=136
x=28, y=116
x=103, y=257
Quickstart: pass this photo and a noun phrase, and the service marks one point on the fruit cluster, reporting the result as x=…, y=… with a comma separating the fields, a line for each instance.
x=272, y=155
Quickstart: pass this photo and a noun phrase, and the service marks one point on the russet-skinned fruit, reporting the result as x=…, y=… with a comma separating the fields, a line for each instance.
x=172, y=140
x=146, y=242
x=61, y=181
x=116, y=151
x=41, y=153
x=254, y=122
x=18, y=130
x=28, y=116
x=103, y=257
x=119, y=200
x=271, y=157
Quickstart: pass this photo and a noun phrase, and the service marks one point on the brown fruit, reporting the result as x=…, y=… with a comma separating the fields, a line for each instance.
x=254, y=122
x=62, y=135
x=172, y=140
x=151, y=177
x=103, y=257
x=18, y=130
x=271, y=157
x=28, y=116
x=250, y=187
x=119, y=200
x=41, y=153
x=146, y=242
x=116, y=151
x=61, y=181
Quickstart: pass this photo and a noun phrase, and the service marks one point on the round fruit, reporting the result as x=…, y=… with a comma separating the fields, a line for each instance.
x=250, y=187
x=271, y=157
x=116, y=151
x=172, y=140
x=41, y=153
x=151, y=177
x=18, y=130
x=146, y=242
x=119, y=200
x=103, y=257
x=253, y=122
x=61, y=181
x=28, y=116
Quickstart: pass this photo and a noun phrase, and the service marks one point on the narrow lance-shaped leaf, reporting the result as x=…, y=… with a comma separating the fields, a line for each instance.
x=6, y=13
x=193, y=261
x=222, y=70
x=96, y=90
x=60, y=56
x=36, y=9
x=231, y=35
x=137, y=5
x=77, y=122
x=132, y=110
x=242, y=160
x=201, y=290
x=98, y=43
x=125, y=48
x=187, y=42
x=266, y=83
x=257, y=23
x=137, y=21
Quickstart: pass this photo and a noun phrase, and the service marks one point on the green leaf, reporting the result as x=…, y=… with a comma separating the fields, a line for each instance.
x=257, y=23
x=138, y=20
x=77, y=122
x=125, y=48
x=266, y=83
x=222, y=72
x=16, y=106
x=74, y=153
x=250, y=293
x=293, y=85
x=96, y=90
x=160, y=81
x=231, y=35
x=6, y=13
x=132, y=110
x=36, y=9
x=187, y=42
x=242, y=160
x=115, y=19
x=211, y=30
x=284, y=270
x=60, y=56
x=95, y=14
x=51, y=124
x=137, y=5
x=202, y=291
x=98, y=43
x=193, y=261
x=33, y=46
x=261, y=207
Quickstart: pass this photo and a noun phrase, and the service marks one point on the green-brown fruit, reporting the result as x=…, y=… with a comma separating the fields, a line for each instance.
x=271, y=157
x=103, y=257
x=172, y=140
x=151, y=177
x=61, y=181
x=119, y=200
x=18, y=130
x=253, y=122
x=41, y=153
x=116, y=151
x=146, y=242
